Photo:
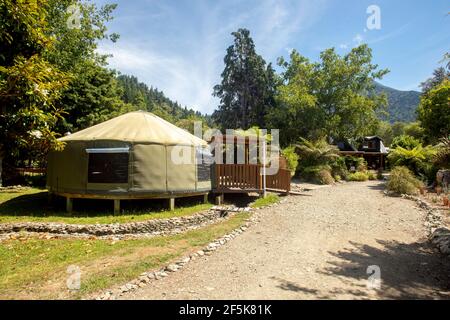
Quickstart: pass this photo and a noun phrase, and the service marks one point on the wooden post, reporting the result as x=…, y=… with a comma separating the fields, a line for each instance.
x=172, y=204
x=69, y=204
x=50, y=198
x=205, y=198
x=219, y=199
x=116, y=206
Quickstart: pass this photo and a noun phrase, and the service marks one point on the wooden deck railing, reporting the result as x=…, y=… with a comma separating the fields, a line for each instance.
x=238, y=176
x=279, y=181
x=247, y=177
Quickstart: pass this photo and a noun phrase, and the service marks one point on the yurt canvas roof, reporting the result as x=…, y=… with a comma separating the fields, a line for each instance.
x=138, y=126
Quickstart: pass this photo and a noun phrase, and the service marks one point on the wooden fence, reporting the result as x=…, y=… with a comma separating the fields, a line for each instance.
x=247, y=177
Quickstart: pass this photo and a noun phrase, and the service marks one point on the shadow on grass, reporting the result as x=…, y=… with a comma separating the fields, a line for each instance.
x=37, y=205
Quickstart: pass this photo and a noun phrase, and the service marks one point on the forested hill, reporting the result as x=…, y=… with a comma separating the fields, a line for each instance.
x=151, y=99
x=402, y=105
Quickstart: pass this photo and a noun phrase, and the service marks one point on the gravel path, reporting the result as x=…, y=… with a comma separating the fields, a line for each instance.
x=319, y=247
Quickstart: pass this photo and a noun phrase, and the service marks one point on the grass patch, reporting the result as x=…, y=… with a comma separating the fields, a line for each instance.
x=271, y=198
x=36, y=268
x=31, y=205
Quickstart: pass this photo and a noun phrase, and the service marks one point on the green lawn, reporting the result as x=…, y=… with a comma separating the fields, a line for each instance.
x=270, y=198
x=31, y=205
x=36, y=268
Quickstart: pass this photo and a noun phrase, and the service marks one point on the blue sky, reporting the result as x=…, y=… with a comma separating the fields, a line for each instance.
x=178, y=45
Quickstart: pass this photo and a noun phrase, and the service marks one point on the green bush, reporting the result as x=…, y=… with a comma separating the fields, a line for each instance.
x=418, y=159
x=324, y=177
x=318, y=174
x=405, y=141
x=403, y=181
x=337, y=178
x=372, y=175
x=339, y=168
x=291, y=157
x=358, y=176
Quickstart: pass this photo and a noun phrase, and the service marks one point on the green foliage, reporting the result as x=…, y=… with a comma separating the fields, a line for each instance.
x=442, y=157
x=339, y=168
x=29, y=84
x=385, y=132
x=434, y=111
x=247, y=88
x=405, y=141
x=372, y=175
x=358, y=163
x=418, y=159
x=315, y=153
x=358, y=176
x=332, y=97
x=402, y=181
x=92, y=97
x=291, y=158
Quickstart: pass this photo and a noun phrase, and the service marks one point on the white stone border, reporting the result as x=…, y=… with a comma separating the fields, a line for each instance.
x=438, y=233
x=148, y=277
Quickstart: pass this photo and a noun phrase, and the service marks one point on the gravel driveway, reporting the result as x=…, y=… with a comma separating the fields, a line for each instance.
x=319, y=246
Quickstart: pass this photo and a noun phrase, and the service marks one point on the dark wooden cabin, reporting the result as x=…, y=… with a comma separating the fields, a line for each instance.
x=371, y=149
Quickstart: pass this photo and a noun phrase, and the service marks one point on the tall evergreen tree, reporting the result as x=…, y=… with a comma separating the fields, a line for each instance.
x=247, y=87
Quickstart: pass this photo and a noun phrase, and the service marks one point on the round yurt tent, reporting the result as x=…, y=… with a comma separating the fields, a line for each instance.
x=134, y=156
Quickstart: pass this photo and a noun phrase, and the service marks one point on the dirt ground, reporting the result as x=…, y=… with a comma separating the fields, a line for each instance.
x=319, y=246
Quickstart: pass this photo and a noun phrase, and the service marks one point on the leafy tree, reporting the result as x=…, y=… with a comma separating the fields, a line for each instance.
x=94, y=96
x=247, y=88
x=434, y=112
x=439, y=75
x=405, y=141
x=77, y=44
x=29, y=84
x=385, y=132
x=333, y=97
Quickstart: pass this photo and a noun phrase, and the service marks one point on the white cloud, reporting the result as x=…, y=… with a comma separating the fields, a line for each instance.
x=185, y=61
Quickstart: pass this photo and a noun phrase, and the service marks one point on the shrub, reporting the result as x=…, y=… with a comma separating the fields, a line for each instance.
x=315, y=153
x=372, y=175
x=318, y=174
x=358, y=162
x=337, y=178
x=418, y=159
x=358, y=176
x=324, y=177
x=442, y=157
x=339, y=168
x=402, y=181
x=405, y=141
x=291, y=158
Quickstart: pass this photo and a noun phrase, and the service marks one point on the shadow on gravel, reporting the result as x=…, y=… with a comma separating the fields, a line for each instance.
x=408, y=271
x=380, y=186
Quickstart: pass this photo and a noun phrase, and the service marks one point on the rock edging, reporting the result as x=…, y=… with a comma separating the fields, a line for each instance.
x=153, y=226
x=147, y=277
x=438, y=234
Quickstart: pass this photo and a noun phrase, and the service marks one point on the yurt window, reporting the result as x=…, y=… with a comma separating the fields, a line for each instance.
x=108, y=165
x=204, y=161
